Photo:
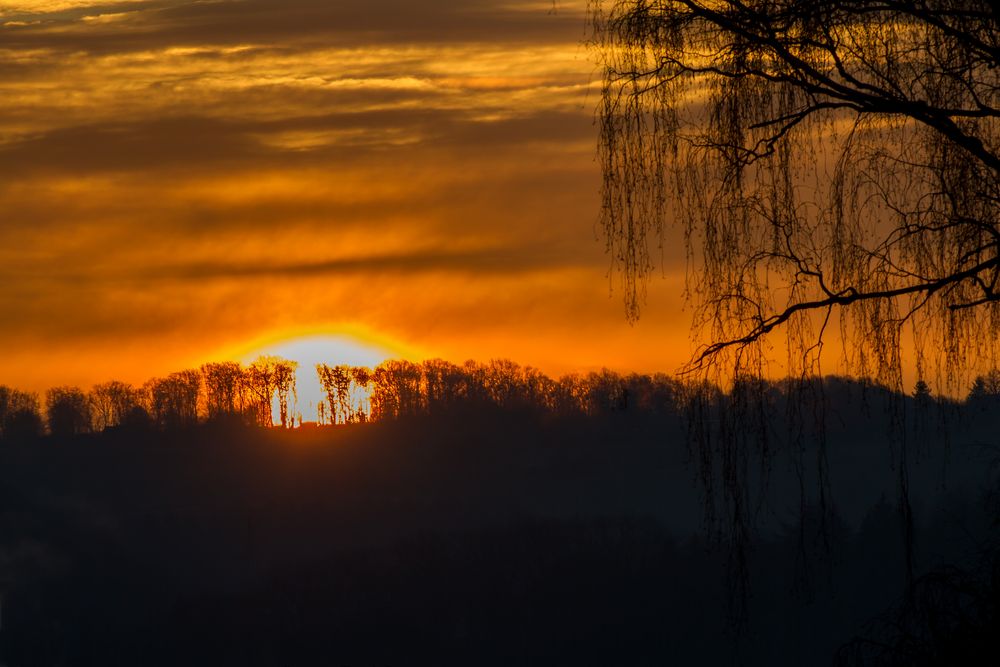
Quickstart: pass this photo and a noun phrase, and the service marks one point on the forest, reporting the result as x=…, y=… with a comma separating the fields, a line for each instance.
x=487, y=514
x=263, y=393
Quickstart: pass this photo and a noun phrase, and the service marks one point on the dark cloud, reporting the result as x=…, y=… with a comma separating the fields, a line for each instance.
x=149, y=145
x=511, y=260
x=478, y=262
x=304, y=23
x=196, y=142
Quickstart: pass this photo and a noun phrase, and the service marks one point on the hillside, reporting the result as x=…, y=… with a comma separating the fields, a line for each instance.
x=487, y=537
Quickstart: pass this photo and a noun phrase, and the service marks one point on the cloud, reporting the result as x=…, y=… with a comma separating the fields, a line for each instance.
x=199, y=142
x=154, y=25
x=176, y=175
x=480, y=262
x=37, y=9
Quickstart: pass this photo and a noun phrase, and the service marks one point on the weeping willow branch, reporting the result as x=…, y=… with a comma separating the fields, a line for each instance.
x=846, y=153
x=851, y=295
x=822, y=160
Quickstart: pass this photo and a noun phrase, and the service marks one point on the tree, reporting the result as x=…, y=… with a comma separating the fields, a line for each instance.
x=607, y=392
x=348, y=393
x=284, y=378
x=111, y=403
x=68, y=411
x=922, y=392
x=571, y=396
x=504, y=382
x=336, y=384
x=444, y=385
x=361, y=381
x=653, y=394
x=539, y=389
x=396, y=389
x=266, y=378
x=173, y=400
x=985, y=389
x=824, y=160
x=260, y=388
x=223, y=388
x=19, y=415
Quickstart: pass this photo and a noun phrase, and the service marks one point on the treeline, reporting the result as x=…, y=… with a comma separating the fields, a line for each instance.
x=263, y=393
x=397, y=389
x=182, y=399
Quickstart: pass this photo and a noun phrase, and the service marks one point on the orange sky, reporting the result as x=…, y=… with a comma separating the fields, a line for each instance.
x=180, y=179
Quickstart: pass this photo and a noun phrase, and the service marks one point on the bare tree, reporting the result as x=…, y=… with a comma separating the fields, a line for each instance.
x=539, y=389
x=823, y=160
x=111, y=403
x=444, y=385
x=503, y=381
x=827, y=164
x=284, y=377
x=570, y=395
x=68, y=411
x=361, y=391
x=19, y=414
x=607, y=392
x=173, y=400
x=348, y=392
x=223, y=388
x=267, y=378
x=396, y=389
x=336, y=384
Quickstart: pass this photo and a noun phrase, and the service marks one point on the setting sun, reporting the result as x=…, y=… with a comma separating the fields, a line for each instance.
x=350, y=346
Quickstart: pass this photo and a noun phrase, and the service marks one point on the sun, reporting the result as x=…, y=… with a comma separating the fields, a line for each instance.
x=352, y=346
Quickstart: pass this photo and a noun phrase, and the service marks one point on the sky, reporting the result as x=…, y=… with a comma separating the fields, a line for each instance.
x=184, y=181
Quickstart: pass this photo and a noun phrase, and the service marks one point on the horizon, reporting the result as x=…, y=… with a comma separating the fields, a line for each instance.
x=311, y=399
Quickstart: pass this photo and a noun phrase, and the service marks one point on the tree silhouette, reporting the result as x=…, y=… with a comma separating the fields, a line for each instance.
x=396, y=389
x=336, y=384
x=503, y=382
x=607, y=392
x=827, y=163
x=539, y=389
x=655, y=393
x=922, y=392
x=266, y=378
x=354, y=394
x=444, y=385
x=173, y=400
x=68, y=411
x=570, y=395
x=111, y=403
x=284, y=378
x=224, y=388
x=475, y=390
x=823, y=159
x=361, y=381
x=19, y=415
x=985, y=390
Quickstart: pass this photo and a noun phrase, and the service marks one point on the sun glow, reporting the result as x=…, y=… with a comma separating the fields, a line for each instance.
x=352, y=346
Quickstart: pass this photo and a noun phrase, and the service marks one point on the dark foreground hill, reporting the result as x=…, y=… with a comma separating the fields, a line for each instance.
x=500, y=538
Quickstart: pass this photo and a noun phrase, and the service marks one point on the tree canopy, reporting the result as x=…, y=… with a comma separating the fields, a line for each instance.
x=829, y=163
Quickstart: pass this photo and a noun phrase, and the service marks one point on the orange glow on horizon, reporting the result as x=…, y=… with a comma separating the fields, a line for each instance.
x=351, y=345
